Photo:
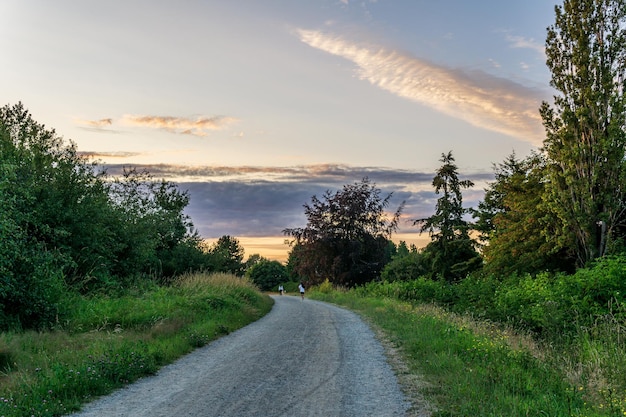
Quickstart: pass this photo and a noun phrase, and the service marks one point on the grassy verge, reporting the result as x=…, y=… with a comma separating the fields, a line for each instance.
x=110, y=342
x=472, y=368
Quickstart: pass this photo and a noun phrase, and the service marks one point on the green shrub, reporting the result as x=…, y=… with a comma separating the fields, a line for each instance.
x=405, y=268
x=530, y=302
x=591, y=291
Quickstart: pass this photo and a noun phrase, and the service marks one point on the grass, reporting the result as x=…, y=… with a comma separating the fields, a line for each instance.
x=466, y=367
x=109, y=342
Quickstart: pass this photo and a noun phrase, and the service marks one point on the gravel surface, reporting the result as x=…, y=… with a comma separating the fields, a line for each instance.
x=304, y=358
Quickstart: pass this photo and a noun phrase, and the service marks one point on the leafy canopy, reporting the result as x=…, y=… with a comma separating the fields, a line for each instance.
x=347, y=236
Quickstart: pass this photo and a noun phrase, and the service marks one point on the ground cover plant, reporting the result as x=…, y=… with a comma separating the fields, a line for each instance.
x=471, y=366
x=107, y=342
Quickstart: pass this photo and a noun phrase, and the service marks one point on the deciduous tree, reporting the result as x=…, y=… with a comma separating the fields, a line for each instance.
x=586, y=54
x=347, y=236
x=267, y=275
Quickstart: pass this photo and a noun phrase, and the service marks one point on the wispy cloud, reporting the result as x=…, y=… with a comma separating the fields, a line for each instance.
x=97, y=123
x=197, y=126
x=525, y=43
x=480, y=99
x=96, y=155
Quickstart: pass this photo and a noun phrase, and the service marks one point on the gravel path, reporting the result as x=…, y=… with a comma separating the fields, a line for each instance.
x=304, y=358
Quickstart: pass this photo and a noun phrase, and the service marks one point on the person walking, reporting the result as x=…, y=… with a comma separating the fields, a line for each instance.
x=301, y=288
x=281, y=289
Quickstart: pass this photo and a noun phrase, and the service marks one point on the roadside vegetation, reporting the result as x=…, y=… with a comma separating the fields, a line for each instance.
x=472, y=357
x=107, y=342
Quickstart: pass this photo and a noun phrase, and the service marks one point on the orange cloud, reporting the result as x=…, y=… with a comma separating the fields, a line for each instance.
x=198, y=126
x=476, y=97
x=96, y=123
x=93, y=154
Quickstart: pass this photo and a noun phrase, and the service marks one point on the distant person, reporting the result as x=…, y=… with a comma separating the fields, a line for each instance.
x=281, y=289
x=301, y=288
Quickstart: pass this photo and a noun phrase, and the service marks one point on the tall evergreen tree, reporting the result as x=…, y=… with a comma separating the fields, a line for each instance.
x=586, y=53
x=516, y=225
x=451, y=250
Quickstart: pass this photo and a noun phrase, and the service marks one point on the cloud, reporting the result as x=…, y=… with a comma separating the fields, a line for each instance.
x=329, y=174
x=198, y=126
x=525, y=43
x=96, y=123
x=96, y=155
x=99, y=125
x=262, y=201
x=476, y=97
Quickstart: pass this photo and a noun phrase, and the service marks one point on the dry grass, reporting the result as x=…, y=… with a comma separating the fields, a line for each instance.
x=494, y=331
x=221, y=280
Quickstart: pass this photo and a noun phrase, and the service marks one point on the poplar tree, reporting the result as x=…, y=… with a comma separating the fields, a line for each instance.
x=585, y=136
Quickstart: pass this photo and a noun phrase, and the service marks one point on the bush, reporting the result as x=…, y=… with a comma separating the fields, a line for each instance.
x=405, y=268
x=31, y=290
x=267, y=275
x=530, y=302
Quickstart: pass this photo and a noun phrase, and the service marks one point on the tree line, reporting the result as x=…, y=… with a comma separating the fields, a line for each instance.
x=66, y=225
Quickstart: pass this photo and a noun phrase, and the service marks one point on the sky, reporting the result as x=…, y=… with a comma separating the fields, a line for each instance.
x=255, y=106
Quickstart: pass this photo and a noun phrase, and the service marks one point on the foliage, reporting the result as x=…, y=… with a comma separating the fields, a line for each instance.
x=267, y=275
x=516, y=226
x=451, y=251
x=585, y=145
x=406, y=267
x=252, y=260
x=227, y=256
x=576, y=321
x=347, y=236
x=157, y=227
x=548, y=304
x=66, y=226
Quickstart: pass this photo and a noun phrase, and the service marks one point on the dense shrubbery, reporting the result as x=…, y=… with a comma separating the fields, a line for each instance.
x=578, y=319
x=545, y=303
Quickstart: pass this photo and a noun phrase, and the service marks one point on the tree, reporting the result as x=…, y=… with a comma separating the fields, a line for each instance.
x=516, y=226
x=99, y=231
x=227, y=255
x=60, y=201
x=252, y=260
x=267, y=275
x=451, y=250
x=586, y=53
x=347, y=236
x=151, y=224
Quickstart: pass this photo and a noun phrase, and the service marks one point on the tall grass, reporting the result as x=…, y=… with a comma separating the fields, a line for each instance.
x=472, y=367
x=108, y=342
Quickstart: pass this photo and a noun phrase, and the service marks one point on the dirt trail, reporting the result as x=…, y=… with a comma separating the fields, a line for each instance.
x=305, y=358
